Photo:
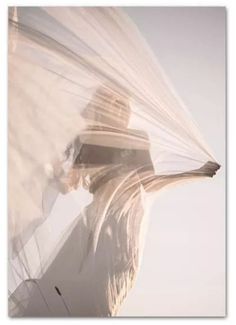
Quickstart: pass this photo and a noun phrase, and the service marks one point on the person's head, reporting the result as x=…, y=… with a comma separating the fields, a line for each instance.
x=109, y=107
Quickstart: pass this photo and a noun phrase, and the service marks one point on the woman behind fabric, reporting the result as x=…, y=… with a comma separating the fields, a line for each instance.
x=113, y=162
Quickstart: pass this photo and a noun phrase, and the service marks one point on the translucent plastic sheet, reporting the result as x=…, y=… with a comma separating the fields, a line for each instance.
x=91, y=115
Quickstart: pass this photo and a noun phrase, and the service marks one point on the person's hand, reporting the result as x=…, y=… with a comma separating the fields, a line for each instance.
x=70, y=181
x=209, y=169
x=72, y=178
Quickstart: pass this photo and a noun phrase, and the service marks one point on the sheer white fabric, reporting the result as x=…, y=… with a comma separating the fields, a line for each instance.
x=92, y=112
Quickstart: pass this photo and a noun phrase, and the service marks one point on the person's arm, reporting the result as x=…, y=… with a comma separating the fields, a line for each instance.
x=153, y=183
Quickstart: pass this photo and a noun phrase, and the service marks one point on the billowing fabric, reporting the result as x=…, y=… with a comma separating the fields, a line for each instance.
x=91, y=116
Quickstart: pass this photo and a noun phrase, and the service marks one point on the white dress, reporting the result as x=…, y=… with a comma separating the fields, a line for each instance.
x=98, y=263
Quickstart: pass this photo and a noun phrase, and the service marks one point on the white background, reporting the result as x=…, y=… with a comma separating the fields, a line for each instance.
x=231, y=80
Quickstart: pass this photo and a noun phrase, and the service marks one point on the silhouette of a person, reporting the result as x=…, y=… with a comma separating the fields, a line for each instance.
x=103, y=251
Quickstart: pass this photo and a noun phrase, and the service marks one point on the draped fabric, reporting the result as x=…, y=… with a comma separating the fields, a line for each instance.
x=91, y=115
